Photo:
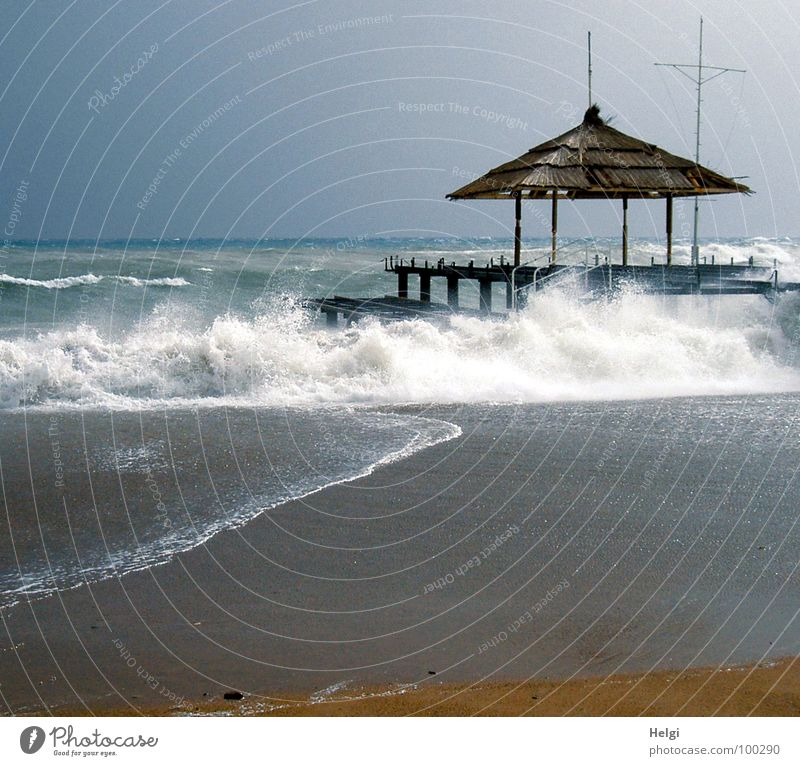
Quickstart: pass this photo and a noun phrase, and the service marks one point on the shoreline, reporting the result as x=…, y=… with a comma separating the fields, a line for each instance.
x=369, y=585
x=449, y=431
x=761, y=689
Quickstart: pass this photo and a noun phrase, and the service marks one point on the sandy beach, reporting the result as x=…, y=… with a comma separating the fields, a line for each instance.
x=576, y=586
x=769, y=690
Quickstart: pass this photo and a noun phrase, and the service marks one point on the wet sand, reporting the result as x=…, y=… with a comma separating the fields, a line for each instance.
x=607, y=540
x=772, y=689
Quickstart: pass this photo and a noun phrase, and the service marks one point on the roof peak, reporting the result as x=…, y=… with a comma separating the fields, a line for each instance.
x=592, y=116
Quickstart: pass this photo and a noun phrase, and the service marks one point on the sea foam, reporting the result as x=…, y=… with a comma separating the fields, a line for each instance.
x=62, y=283
x=559, y=348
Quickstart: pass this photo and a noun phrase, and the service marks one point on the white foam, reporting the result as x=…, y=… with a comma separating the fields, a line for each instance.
x=155, y=282
x=62, y=283
x=417, y=433
x=557, y=349
x=51, y=284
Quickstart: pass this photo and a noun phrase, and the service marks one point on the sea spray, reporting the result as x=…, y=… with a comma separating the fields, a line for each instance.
x=559, y=348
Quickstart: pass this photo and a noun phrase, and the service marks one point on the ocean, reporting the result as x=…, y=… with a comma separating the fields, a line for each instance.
x=153, y=394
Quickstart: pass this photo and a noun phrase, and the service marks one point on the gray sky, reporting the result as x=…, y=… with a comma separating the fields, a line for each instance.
x=355, y=118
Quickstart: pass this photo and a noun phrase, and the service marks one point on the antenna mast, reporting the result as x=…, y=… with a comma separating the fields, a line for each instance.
x=699, y=81
x=589, y=36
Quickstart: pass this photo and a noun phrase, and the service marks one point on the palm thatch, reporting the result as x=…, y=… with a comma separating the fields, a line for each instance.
x=594, y=160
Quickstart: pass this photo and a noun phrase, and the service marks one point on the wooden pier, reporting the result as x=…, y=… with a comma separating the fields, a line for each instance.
x=522, y=282
x=389, y=307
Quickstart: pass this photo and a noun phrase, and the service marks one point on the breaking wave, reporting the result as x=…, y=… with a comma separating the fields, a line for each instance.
x=61, y=283
x=365, y=441
x=557, y=349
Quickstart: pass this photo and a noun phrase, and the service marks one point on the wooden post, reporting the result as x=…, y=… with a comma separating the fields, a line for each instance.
x=669, y=230
x=554, y=227
x=624, y=231
x=425, y=286
x=486, y=295
x=452, y=291
x=509, y=295
x=517, y=228
x=332, y=318
x=402, y=284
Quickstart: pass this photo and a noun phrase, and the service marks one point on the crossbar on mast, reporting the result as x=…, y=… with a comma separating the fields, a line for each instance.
x=699, y=81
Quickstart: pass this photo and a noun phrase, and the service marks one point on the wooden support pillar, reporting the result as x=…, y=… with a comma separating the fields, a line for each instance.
x=517, y=228
x=452, y=291
x=332, y=318
x=624, y=231
x=669, y=230
x=486, y=295
x=554, y=227
x=425, y=287
x=509, y=295
x=402, y=284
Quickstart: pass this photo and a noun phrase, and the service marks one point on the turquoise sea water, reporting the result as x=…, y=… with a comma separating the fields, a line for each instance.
x=131, y=323
x=104, y=345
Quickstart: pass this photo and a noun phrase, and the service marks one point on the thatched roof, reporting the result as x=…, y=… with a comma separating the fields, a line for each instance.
x=593, y=160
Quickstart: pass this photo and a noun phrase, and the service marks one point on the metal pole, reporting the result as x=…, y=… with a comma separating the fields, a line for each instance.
x=514, y=288
x=589, y=35
x=514, y=281
x=695, y=246
x=624, y=231
x=699, y=81
x=554, y=227
x=518, y=228
x=514, y=285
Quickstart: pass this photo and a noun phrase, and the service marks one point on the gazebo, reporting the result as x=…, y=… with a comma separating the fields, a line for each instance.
x=591, y=161
x=596, y=161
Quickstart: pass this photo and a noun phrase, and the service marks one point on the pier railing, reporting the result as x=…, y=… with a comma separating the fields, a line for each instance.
x=583, y=264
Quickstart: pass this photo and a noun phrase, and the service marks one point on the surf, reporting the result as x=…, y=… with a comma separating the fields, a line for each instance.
x=559, y=348
x=62, y=283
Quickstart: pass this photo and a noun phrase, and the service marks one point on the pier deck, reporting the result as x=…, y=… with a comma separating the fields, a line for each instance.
x=523, y=281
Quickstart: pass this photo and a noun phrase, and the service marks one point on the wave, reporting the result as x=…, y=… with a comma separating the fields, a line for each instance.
x=61, y=283
x=390, y=438
x=558, y=349
x=154, y=282
x=51, y=284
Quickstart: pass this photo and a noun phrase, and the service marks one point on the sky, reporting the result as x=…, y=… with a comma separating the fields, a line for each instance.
x=350, y=118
